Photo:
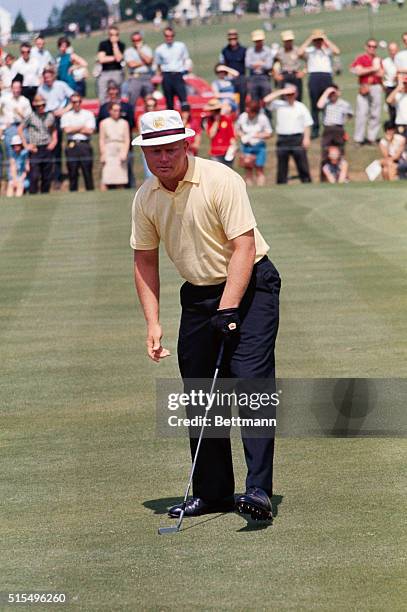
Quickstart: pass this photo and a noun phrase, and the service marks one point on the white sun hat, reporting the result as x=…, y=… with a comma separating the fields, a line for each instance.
x=16, y=140
x=161, y=127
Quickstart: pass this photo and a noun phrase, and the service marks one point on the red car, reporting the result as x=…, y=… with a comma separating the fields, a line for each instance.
x=199, y=92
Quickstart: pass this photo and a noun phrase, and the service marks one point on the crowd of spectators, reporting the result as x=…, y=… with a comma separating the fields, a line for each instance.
x=257, y=92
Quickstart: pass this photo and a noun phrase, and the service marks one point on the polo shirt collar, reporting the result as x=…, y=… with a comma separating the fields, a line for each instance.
x=192, y=175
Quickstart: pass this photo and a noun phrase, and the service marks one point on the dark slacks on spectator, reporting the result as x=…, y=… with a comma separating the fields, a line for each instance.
x=292, y=146
x=290, y=77
x=240, y=85
x=249, y=356
x=390, y=107
x=139, y=87
x=58, y=176
x=41, y=164
x=79, y=156
x=259, y=86
x=29, y=92
x=317, y=83
x=174, y=85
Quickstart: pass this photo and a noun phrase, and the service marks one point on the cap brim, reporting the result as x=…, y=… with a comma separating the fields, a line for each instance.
x=161, y=140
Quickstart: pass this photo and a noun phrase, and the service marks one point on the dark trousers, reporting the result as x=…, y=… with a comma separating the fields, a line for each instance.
x=317, y=83
x=287, y=146
x=58, y=152
x=41, y=164
x=174, y=85
x=259, y=86
x=290, y=77
x=390, y=107
x=79, y=156
x=249, y=356
x=240, y=85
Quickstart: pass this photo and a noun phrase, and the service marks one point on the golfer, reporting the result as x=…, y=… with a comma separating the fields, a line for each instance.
x=200, y=210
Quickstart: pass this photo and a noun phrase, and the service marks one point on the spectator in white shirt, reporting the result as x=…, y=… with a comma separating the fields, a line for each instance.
x=398, y=98
x=401, y=58
x=253, y=128
x=317, y=49
x=390, y=76
x=78, y=125
x=6, y=73
x=293, y=123
x=30, y=70
x=41, y=54
x=16, y=109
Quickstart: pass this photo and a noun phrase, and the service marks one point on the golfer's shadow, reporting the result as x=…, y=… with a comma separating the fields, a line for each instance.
x=161, y=505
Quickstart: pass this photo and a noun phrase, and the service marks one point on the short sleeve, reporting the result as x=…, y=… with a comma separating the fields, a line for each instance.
x=307, y=117
x=64, y=120
x=144, y=235
x=90, y=120
x=233, y=206
x=102, y=46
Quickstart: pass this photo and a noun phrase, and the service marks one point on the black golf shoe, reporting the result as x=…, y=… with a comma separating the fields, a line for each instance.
x=256, y=503
x=196, y=506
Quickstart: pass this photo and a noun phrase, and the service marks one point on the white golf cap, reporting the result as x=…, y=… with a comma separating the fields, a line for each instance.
x=16, y=140
x=161, y=127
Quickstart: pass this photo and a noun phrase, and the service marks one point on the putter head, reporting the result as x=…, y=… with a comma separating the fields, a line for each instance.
x=167, y=530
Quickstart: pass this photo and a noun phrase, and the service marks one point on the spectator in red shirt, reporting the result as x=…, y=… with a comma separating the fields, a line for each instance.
x=368, y=68
x=221, y=132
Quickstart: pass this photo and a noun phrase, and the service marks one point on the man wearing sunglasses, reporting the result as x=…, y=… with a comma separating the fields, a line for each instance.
x=233, y=56
x=368, y=68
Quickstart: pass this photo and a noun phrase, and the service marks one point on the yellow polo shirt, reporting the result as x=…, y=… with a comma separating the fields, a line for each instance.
x=197, y=221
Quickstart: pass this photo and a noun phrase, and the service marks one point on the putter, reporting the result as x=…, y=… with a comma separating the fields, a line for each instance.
x=177, y=527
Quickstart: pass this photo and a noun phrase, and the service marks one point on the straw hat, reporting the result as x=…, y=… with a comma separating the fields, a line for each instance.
x=161, y=127
x=258, y=35
x=287, y=35
x=16, y=140
x=213, y=104
x=317, y=34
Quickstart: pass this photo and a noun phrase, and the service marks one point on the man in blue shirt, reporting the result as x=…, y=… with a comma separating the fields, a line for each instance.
x=233, y=56
x=171, y=57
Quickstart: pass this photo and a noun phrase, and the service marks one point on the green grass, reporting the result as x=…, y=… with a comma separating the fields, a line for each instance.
x=85, y=481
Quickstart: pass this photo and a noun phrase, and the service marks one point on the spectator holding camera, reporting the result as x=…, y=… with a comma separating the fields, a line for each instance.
x=369, y=70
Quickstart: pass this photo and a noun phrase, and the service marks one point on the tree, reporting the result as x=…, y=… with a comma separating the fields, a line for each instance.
x=83, y=12
x=54, y=18
x=20, y=26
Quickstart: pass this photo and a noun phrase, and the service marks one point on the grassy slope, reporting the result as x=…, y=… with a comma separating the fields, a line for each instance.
x=84, y=479
x=348, y=29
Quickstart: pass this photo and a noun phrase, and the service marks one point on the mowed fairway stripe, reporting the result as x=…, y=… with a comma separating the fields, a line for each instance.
x=344, y=292
x=25, y=228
